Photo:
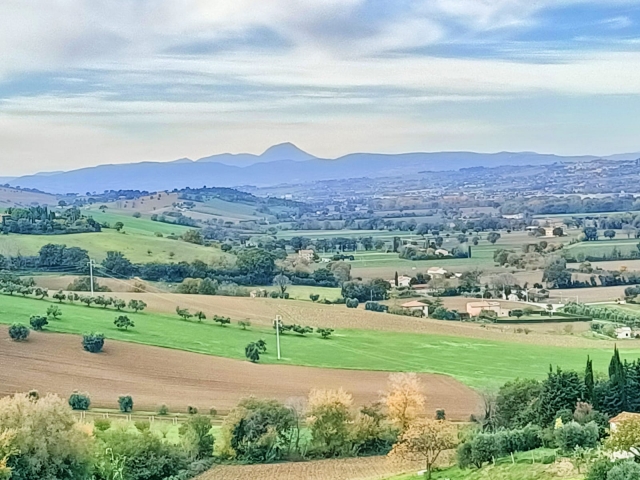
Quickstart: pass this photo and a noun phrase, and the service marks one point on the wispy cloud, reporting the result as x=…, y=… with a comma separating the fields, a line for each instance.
x=158, y=72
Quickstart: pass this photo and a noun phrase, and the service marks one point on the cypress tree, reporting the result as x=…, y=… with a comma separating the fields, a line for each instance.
x=588, y=381
x=614, y=400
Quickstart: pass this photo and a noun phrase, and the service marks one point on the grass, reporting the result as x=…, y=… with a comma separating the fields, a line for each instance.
x=135, y=241
x=504, y=469
x=478, y=363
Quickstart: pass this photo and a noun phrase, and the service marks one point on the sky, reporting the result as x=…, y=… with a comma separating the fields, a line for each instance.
x=85, y=82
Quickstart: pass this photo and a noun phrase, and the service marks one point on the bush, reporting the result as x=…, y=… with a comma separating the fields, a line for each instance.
x=375, y=307
x=484, y=448
x=191, y=410
x=38, y=323
x=624, y=471
x=213, y=411
x=18, y=332
x=352, y=303
x=314, y=297
x=93, y=342
x=125, y=402
x=79, y=401
x=102, y=424
x=163, y=410
x=572, y=435
x=440, y=414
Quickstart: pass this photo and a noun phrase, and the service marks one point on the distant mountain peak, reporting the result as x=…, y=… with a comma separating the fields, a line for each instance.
x=286, y=151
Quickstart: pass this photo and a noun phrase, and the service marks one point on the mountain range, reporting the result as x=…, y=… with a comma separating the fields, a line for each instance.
x=280, y=164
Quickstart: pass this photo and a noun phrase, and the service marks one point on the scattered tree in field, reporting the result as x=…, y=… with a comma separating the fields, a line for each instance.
x=262, y=346
x=441, y=414
x=18, y=332
x=79, y=401
x=200, y=315
x=424, y=440
x=54, y=311
x=325, y=332
x=137, y=305
x=118, y=226
x=252, y=352
x=221, y=320
x=300, y=330
x=41, y=293
x=125, y=402
x=38, y=323
x=59, y=296
x=314, y=297
x=404, y=399
x=557, y=232
x=352, y=303
x=517, y=313
x=609, y=234
x=119, y=304
x=244, y=324
x=183, y=313
x=122, y=321
x=87, y=300
x=93, y=342
x=493, y=237
x=282, y=282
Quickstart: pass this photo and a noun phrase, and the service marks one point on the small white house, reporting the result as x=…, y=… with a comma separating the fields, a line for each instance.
x=436, y=271
x=623, y=332
x=403, y=281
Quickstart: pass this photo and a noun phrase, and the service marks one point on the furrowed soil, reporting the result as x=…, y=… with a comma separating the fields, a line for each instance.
x=370, y=468
x=57, y=363
x=261, y=311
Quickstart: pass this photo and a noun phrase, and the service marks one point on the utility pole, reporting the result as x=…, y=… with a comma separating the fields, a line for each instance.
x=278, y=322
x=91, y=274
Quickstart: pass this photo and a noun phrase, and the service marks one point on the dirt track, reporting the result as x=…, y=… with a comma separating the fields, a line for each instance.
x=56, y=363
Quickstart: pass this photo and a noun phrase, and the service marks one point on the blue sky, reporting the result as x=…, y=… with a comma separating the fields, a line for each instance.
x=85, y=82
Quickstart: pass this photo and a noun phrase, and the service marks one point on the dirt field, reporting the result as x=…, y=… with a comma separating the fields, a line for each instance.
x=261, y=311
x=153, y=376
x=372, y=468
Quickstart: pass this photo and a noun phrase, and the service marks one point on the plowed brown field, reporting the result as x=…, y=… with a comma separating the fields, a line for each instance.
x=56, y=363
x=371, y=468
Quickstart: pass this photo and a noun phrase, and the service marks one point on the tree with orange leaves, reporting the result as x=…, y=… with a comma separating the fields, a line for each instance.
x=404, y=399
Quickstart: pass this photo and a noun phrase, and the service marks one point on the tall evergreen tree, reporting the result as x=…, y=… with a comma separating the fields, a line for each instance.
x=560, y=391
x=589, y=383
x=614, y=395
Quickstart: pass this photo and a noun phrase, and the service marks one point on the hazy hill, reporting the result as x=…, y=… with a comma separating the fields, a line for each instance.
x=284, y=163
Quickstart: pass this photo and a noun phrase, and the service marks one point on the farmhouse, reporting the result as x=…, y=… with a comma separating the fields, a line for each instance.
x=417, y=306
x=474, y=309
x=624, y=332
x=306, y=255
x=436, y=271
x=403, y=281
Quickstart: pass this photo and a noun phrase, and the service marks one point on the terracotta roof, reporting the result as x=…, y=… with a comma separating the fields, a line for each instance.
x=624, y=416
x=413, y=304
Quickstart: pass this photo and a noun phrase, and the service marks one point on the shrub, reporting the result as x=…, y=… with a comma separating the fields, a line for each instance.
x=18, y=332
x=93, y=342
x=142, y=426
x=197, y=436
x=48, y=442
x=122, y=321
x=440, y=414
x=252, y=352
x=163, y=410
x=352, y=303
x=244, y=324
x=125, y=402
x=375, y=307
x=484, y=448
x=191, y=410
x=325, y=332
x=221, y=320
x=213, y=411
x=572, y=435
x=38, y=322
x=314, y=297
x=54, y=311
x=79, y=401
x=102, y=424
x=624, y=471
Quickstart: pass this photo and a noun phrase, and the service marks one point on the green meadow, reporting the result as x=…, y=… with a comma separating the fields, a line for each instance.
x=478, y=363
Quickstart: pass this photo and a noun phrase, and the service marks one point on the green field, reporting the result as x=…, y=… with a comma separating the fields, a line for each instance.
x=521, y=469
x=600, y=247
x=135, y=240
x=302, y=292
x=478, y=363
